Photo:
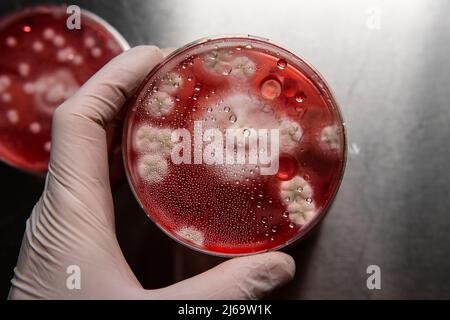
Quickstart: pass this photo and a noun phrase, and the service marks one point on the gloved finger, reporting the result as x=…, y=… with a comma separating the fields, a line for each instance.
x=249, y=277
x=167, y=51
x=78, y=158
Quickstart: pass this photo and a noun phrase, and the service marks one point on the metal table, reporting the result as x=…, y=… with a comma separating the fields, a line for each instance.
x=389, y=64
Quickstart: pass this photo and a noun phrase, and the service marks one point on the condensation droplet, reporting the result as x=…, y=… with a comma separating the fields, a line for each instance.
x=300, y=97
x=198, y=86
x=281, y=64
x=271, y=89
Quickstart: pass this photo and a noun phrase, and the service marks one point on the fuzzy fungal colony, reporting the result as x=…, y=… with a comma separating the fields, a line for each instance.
x=43, y=65
x=223, y=128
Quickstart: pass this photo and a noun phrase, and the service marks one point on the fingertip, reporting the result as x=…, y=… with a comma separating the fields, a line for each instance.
x=262, y=273
x=148, y=50
x=284, y=265
x=167, y=51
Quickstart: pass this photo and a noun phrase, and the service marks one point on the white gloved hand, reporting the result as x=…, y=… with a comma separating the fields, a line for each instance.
x=73, y=222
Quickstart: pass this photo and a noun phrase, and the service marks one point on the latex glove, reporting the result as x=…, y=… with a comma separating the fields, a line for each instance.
x=73, y=222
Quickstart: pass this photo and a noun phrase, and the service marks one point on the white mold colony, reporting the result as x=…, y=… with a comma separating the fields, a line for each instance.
x=330, y=137
x=297, y=195
x=152, y=144
x=191, y=234
x=223, y=62
x=152, y=168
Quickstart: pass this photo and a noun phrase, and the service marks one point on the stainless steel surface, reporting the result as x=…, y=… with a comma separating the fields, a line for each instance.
x=389, y=65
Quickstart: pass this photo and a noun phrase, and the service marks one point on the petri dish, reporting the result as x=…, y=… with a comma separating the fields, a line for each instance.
x=234, y=145
x=43, y=63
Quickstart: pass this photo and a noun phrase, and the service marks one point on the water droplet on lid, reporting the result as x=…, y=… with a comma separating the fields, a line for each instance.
x=291, y=225
x=189, y=78
x=259, y=205
x=299, y=189
x=300, y=97
x=281, y=64
x=177, y=98
x=248, y=46
x=274, y=228
x=195, y=97
x=287, y=167
x=233, y=118
x=309, y=200
x=271, y=89
x=285, y=214
x=264, y=220
x=198, y=86
x=226, y=109
x=26, y=29
x=209, y=109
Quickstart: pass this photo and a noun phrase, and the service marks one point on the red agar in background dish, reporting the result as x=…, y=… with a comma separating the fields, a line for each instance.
x=42, y=64
x=242, y=83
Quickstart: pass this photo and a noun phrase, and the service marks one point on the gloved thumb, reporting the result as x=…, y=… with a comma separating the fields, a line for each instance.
x=249, y=277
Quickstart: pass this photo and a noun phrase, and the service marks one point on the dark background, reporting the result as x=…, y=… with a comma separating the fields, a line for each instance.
x=393, y=84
